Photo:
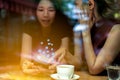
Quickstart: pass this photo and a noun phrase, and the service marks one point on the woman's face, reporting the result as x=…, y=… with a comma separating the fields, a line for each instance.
x=45, y=13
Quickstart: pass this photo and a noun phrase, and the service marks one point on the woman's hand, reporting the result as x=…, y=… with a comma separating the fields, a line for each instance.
x=60, y=55
x=31, y=68
x=59, y=58
x=63, y=56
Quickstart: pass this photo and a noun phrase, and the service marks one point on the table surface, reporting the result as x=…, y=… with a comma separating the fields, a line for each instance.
x=16, y=74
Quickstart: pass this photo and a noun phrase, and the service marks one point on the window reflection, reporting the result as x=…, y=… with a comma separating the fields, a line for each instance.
x=13, y=14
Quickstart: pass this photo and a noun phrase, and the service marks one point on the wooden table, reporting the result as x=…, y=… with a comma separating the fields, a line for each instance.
x=15, y=74
x=86, y=76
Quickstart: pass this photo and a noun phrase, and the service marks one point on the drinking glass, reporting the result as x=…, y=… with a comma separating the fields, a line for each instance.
x=113, y=72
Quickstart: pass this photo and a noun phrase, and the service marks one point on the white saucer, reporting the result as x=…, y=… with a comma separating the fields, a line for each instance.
x=55, y=76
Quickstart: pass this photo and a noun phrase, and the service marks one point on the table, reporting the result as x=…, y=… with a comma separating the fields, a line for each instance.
x=14, y=73
x=86, y=76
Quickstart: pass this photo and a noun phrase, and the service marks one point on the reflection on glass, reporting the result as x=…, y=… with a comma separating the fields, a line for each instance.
x=82, y=14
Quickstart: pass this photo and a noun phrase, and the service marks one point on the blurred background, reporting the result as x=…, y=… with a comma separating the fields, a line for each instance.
x=14, y=13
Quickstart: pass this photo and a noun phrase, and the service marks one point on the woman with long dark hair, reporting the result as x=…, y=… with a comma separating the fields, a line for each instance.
x=51, y=33
x=101, y=40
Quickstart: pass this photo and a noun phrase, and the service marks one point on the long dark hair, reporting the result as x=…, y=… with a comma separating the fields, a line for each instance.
x=107, y=8
x=60, y=26
x=102, y=7
x=60, y=18
x=55, y=3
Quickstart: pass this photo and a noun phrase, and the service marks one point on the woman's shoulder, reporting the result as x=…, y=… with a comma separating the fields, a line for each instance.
x=116, y=27
x=115, y=31
x=115, y=34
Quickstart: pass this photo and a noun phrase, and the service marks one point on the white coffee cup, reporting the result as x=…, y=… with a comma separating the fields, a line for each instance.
x=65, y=71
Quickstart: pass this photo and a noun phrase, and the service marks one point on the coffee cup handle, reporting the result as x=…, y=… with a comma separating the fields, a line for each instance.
x=71, y=76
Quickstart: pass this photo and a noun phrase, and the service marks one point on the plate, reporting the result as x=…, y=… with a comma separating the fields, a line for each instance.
x=55, y=76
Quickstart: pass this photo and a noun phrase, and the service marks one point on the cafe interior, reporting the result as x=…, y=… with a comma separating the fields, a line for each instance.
x=13, y=14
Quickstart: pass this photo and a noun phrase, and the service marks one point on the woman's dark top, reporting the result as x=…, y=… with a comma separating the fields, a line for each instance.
x=99, y=34
x=54, y=37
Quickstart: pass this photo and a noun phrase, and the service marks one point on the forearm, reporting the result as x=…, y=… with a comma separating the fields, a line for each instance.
x=88, y=49
x=26, y=47
x=78, y=44
x=65, y=43
x=65, y=54
x=73, y=60
x=26, y=43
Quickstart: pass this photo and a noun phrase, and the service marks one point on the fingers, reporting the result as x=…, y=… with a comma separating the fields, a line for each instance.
x=37, y=70
x=46, y=70
x=53, y=66
x=51, y=60
x=62, y=56
x=29, y=67
x=57, y=54
x=27, y=64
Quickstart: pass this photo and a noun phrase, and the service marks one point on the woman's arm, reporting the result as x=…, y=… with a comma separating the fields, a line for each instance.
x=64, y=47
x=107, y=54
x=60, y=53
x=63, y=55
x=26, y=47
x=27, y=63
x=78, y=48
